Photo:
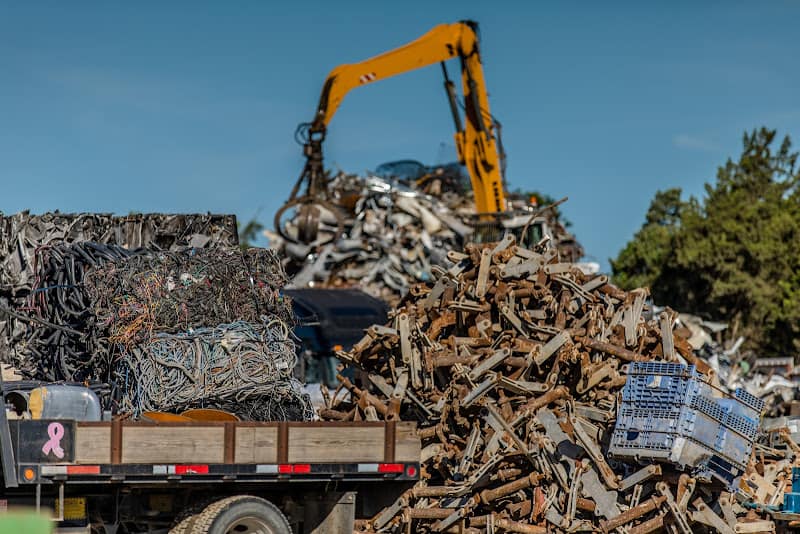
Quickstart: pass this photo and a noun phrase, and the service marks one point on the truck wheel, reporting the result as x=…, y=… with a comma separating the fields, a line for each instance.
x=241, y=514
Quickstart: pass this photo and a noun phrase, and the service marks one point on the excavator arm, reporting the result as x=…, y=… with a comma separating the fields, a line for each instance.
x=475, y=137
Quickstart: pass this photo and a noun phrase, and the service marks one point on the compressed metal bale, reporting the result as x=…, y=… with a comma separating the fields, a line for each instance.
x=22, y=233
x=22, y=236
x=243, y=368
x=177, y=291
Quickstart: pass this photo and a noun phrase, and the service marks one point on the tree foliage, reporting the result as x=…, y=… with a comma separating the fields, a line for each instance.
x=735, y=254
x=249, y=233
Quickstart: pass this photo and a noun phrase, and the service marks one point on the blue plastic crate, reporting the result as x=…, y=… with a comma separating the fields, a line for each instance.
x=663, y=369
x=669, y=413
x=755, y=405
x=791, y=500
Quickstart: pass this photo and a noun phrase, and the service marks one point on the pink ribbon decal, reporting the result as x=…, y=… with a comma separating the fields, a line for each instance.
x=56, y=432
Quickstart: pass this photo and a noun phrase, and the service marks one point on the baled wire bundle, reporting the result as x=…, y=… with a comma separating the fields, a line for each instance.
x=60, y=341
x=22, y=236
x=244, y=368
x=106, y=314
x=176, y=291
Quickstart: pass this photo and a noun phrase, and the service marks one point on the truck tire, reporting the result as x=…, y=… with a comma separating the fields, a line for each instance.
x=241, y=514
x=186, y=518
x=185, y=526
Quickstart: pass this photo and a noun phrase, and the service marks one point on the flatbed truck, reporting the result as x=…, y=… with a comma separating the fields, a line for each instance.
x=220, y=477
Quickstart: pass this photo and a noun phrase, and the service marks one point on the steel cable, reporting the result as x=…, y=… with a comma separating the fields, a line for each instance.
x=243, y=368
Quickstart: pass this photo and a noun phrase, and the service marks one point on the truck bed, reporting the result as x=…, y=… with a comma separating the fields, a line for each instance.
x=192, y=452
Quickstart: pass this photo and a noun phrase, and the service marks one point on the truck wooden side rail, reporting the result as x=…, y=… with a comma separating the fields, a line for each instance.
x=137, y=452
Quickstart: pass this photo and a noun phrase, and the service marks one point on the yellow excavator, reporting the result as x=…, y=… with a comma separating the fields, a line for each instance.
x=477, y=135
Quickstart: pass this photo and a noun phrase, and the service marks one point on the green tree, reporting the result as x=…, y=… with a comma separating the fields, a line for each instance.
x=249, y=232
x=733, y=256
x=644, y=259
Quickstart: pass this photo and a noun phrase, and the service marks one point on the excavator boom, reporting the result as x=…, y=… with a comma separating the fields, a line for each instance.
x=475, y=137
x=440, y=44
x=476, y=144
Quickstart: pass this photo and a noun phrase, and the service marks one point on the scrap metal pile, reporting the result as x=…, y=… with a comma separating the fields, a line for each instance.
x=162, y=330
x=393, y=236
x=514, y=365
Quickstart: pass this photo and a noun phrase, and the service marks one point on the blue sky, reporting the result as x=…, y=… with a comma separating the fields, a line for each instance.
x=192, y=106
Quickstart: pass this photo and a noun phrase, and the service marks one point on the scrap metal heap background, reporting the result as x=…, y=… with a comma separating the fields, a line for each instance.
x=515, y=366
x=95, y=299
x=395, y=232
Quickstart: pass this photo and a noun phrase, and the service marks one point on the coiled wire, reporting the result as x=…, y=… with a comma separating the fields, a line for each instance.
x=243, y=368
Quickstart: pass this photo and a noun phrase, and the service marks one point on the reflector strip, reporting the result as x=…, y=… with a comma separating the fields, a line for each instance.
x=367, y=468
x=54, y=470
x=266, y=469
x=295, y=469
x=83, y=469
x=180, y=469
x=390, y=468
x=191, y=469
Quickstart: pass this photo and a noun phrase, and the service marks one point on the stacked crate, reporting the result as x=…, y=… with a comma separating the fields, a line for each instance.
x=670, y=413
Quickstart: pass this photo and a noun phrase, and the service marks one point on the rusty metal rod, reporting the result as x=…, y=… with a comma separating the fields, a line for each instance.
x=651, y=525
x=629, y=515
x=507, y=524
x=427, y=513
x=433, y=491
x=586, y=505
x=620, y=352
x=488, y=496
x=558, y=392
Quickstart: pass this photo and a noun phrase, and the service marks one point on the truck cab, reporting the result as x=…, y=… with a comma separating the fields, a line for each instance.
x=330, y=320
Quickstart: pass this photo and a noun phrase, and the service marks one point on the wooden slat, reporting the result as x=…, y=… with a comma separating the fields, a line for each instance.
x=389, y=442
x=257, y=445
x=116, y=442
x=153, y=444
x=335, y=444
x=283, y=443
x=92, y=444
x=407, y=443
x=230, y=442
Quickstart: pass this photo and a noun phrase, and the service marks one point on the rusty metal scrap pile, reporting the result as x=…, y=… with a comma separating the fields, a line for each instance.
x=512, y=364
